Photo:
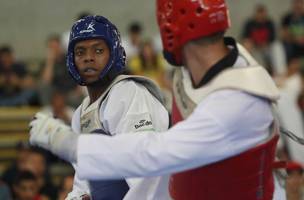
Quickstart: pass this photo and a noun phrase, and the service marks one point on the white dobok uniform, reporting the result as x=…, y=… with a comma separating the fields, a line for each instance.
x=126, y=107
x=212, y=132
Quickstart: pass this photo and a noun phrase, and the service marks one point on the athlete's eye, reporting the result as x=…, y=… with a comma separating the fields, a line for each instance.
x=79, y=52
x=99, y=50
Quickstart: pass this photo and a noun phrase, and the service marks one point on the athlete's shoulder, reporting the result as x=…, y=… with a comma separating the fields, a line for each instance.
x=127, y=87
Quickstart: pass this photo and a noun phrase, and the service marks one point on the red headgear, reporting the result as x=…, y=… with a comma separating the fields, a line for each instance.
x=183, y=20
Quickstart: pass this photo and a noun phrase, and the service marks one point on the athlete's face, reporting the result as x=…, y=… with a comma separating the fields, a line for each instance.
x=91, y=56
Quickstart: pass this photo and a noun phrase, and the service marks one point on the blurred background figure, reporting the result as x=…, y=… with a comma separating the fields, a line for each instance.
x=16, y=85
x=66, y=34
x=54, y=74
x=58, y=107
x=288, y=108
x=293, y=27
x=258, y=35
x=5, y=191
x=36, y=164
x=65, y=187
x=132, y=41
x=151, y=64
x=295, y=181
x=23, y=151
x=25, y=187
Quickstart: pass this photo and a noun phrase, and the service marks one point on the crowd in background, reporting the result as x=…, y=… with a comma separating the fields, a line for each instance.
x=278, y=47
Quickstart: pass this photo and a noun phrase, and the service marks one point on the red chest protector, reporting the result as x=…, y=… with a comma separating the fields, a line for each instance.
x=247, y=176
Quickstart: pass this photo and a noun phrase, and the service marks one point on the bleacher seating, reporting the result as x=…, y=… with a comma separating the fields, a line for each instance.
x=13, y=129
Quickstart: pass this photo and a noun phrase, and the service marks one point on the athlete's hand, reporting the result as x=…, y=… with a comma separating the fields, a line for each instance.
x=43, y=128
x=52, y=134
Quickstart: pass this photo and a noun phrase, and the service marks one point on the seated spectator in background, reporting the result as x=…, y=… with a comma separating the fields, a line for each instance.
x=259, y=33
x=25, y=187
x=293, y=27
x=36, y=163
x=150, y=64
x=66, y=187
x=132, y=41
x=4, y=191
x=54, y=75
x=23, y=151
x=16, y=85
x=59, y=108
x=295, y=181
x=65, y=36
x=288, y=107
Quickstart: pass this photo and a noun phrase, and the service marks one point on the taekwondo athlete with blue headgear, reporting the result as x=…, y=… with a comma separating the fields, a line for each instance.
x=116, y=104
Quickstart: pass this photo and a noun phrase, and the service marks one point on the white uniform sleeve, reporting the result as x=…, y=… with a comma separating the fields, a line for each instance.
x=131, y=108
x=225, y=124
x=79, y=186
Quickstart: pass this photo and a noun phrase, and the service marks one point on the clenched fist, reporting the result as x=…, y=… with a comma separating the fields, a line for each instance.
x=53, y=135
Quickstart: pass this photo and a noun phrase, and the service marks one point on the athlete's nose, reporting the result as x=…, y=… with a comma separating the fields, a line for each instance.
x=89, y=57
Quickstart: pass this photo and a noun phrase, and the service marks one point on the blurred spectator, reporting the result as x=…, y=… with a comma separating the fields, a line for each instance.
x=132, y=41
x=54, y=74
x=23, y=151
x=260, y=28
x=66, y=35
x=293, y=27
x=294, y=181
x=58, y=107
x=259, y=33
x=149, y=63
x=280, y=54
x=36, y=163
x=66, y=187
x=289, y=112
x=4, y=191
x=25, y=187
x=16, y=85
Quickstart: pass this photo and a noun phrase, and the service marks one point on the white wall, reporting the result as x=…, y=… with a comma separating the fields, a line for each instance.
x=26, y=23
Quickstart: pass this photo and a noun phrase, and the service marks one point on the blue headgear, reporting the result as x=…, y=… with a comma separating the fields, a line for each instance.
x=92, y=27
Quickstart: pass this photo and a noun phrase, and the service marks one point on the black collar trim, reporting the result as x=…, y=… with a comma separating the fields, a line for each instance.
x=226, y=62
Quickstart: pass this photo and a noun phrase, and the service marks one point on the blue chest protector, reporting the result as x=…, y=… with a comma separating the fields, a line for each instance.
x=108, y=190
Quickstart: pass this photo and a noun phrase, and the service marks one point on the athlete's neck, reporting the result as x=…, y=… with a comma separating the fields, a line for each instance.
x=198, y=59
x=95, y=91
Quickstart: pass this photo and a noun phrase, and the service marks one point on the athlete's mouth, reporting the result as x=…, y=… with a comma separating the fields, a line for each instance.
x=89, y=71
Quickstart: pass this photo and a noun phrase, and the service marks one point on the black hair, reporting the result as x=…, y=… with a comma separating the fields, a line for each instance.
x=21, y=145
x=135, y=27
x=6, y=49
x=54, y=36
x=83, y=15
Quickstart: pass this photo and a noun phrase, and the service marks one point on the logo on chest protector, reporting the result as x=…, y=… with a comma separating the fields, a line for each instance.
x=142, y=123
x=85, y=124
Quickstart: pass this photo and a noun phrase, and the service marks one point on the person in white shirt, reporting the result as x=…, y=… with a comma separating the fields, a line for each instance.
x=222, y=145
x=116, y=104
x=131, y=42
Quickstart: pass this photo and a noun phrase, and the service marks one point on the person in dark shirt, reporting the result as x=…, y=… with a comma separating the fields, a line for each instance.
x=16, y=85
x=293, y=27
x=258, y=34
x=260, y=29
x=54, y=76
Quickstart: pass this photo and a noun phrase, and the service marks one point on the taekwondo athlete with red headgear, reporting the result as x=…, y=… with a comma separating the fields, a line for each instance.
x=222, y=144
